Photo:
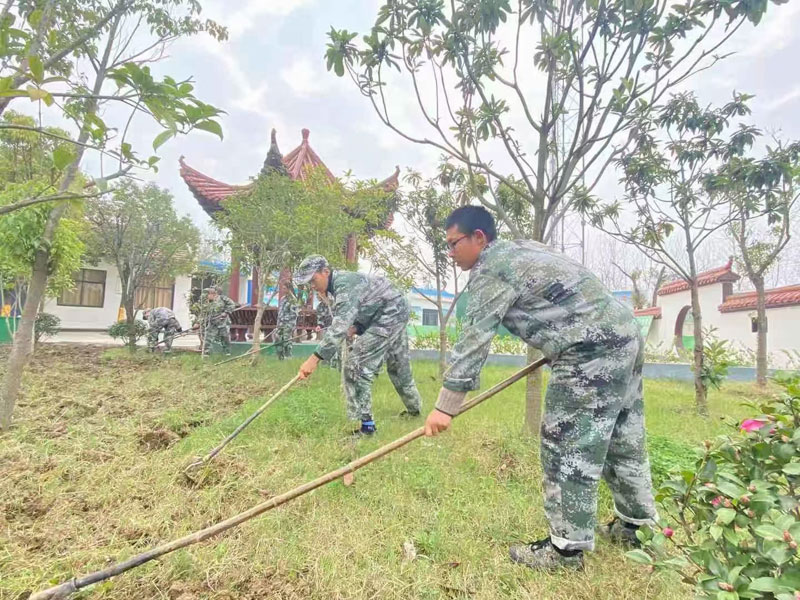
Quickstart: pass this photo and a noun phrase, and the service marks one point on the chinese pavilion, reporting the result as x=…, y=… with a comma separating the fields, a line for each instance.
x=211, y=193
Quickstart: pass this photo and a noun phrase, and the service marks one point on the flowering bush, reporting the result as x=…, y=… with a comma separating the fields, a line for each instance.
x=731, y=524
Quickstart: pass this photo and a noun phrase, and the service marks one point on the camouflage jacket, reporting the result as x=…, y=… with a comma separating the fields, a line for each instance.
x=219, y=310
x=324, y=314
x=288, y=310
x=551, y=302
x=159, y=317
x=366, y=301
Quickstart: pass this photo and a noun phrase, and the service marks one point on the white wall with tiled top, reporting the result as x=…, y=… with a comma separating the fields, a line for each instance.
x=100, y=318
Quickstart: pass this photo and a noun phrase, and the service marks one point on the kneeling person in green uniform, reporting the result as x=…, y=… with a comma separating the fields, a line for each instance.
x=593, y=422
x=372, y=308
x=161, y=319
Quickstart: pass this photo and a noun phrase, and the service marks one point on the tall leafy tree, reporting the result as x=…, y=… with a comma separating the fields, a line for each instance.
x=77, y=58
x=668, y=176
x=537, y=95
x=764, y=194
x=422, y=256
x=137, y=229
x=26, y=166
x=278, y=221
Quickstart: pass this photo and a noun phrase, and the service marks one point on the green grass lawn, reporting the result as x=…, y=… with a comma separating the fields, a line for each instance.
x=90, y=475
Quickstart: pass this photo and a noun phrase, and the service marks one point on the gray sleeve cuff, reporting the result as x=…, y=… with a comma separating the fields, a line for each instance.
x=449, y=402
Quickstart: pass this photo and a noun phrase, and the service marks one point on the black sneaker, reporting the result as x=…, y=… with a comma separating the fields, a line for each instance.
x=621, y=532
x=543, y=556
x=409, y=414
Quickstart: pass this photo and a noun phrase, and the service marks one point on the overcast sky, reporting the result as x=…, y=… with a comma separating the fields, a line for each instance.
x=271, y=73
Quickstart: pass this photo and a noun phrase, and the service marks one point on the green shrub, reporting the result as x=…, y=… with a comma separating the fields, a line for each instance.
x=668, y=456
x=128, y=333
x=46, y=325
x=731, y=522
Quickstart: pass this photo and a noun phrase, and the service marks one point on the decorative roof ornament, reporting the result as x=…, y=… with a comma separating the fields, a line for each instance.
x=274, y=161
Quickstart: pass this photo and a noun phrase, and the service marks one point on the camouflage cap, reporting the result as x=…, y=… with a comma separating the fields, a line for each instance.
x=208, y=290
x=310, y=265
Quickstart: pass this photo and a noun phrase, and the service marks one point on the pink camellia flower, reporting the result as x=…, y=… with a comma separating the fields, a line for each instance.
x=716, y=501
x=668, y=532
x=751, y=425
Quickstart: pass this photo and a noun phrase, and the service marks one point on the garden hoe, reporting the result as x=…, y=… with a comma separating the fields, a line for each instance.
x=210, y=456
x=65, y=589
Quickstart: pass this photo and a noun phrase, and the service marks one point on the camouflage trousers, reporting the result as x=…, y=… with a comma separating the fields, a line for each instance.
x=364, y=361
x=217, y=332
x=170, y=328
x=593, y=427
x=284, y=344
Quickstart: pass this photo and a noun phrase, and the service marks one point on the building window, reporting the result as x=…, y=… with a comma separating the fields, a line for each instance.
x=430, y=317
x=154, y=294
x=89, y=290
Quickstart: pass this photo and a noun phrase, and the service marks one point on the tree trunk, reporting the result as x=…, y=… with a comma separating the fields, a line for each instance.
x=700, y=399
x=23, y=340
x=256, y=293
x=533, y=395
x=442, y=327
x=761, y=334
x=659, y=280
x=130, y=319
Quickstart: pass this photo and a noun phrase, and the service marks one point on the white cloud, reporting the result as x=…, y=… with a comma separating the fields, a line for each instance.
x=247, y=96
x=786, y=98
x=247, y=17
x=304, y=77
x=773, y=34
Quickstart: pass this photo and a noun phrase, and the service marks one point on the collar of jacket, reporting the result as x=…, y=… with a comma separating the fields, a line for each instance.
x=330, y=291
x=482, y=256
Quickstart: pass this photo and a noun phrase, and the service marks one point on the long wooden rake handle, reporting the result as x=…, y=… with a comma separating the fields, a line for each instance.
x=244, y=424
x=252, y=352
x=65, y=589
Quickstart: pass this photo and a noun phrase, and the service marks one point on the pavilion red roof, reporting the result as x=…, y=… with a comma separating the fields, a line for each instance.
x=209, y=192
x=653, y=311
x=303, y=159
x=777, y=297
x=718, y=275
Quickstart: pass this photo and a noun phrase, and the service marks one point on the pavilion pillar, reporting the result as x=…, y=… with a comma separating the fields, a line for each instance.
x=233, y=284
x=351, y=254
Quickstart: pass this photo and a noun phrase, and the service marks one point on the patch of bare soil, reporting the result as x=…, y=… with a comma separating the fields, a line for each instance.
x=157, y=439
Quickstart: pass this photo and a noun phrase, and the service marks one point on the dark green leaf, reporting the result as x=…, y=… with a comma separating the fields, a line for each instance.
x=210, y=126
x=162, y=137
x=36, y=67
x=63, y=156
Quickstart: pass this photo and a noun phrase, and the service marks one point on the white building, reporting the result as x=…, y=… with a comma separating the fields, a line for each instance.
x=424, y=313
x=93, y=304
x=732, y=315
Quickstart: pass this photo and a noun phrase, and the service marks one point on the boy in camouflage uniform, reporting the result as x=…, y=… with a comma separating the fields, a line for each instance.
x=215, y=320
x=593, y=423
x=287, y=323
x=377, y=312
x=161, y=319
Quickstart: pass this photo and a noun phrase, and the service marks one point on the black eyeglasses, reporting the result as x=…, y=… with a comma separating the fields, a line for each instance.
x=452, y=245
